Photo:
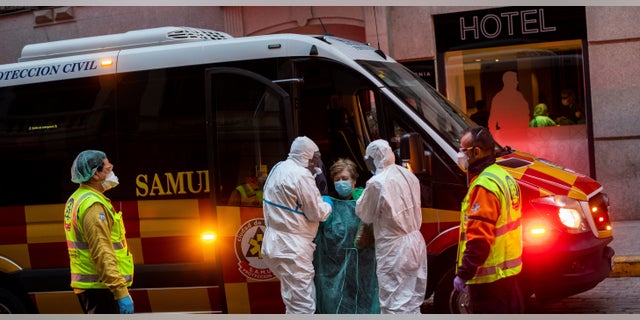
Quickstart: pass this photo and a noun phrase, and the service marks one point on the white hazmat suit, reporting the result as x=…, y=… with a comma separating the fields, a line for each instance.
x=293, y=208
x=391, y=202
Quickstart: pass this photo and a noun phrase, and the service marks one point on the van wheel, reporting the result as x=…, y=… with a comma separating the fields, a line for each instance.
x=9, y=303
x=448, y=300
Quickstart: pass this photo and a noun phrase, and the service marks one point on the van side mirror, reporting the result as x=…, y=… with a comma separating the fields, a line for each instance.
x=413, y=155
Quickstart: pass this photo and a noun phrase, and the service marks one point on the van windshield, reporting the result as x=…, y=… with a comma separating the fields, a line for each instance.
x=429, y=104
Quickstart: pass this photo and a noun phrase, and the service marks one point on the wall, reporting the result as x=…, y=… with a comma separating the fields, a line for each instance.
x=614, y=43
x=20, y=29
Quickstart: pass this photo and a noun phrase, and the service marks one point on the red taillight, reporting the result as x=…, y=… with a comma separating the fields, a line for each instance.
x=599, y=207
x=536, y=232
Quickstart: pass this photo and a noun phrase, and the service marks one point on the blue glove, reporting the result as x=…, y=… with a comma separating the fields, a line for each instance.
x=126, y=305
x=460, y=284
x=328, y=200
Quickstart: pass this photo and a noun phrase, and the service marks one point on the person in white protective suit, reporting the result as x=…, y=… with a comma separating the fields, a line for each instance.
x=293, y=209
x=391, y=202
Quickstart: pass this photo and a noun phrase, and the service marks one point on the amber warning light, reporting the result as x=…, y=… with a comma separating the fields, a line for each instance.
x=106, y=62
x=208, y=236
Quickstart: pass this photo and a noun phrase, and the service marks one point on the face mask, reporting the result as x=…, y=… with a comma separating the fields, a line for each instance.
x=463, y=161
x=343, y=187
x=110, y=182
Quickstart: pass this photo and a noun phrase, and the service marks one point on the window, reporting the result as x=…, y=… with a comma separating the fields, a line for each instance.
x=523, y=87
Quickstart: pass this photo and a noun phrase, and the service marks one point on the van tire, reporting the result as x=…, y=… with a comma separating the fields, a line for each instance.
x=446, y=299
x=10, y=303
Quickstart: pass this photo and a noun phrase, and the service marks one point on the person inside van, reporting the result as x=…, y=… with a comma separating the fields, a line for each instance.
x=249, y=193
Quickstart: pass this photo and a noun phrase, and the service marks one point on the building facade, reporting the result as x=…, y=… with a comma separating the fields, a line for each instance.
x=468, y=53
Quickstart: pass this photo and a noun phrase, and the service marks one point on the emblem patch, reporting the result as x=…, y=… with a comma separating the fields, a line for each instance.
x=514, y=192
x=248, y=248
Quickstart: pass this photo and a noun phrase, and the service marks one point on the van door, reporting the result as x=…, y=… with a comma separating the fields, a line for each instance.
x=249, y=130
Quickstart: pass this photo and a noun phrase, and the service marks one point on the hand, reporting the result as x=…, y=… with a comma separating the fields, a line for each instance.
x=460, y=284
x=328, y=200
x=126, y=305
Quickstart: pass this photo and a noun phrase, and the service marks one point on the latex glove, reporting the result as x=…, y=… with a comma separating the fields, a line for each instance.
x=126, y=305
x=460, y=284
x=328, y=200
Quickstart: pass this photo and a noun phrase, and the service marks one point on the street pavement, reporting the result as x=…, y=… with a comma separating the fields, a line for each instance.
x=618, y=294
x=626, y=243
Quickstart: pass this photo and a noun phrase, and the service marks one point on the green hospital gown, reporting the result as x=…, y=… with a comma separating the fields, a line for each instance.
x=345, y=277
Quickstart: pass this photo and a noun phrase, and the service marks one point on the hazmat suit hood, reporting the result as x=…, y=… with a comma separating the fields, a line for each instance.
x=302, y=150
x=380, y=152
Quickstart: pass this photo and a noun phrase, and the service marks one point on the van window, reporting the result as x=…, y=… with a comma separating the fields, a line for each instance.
x=251, y=137
x=44, y=126
x=446, y=119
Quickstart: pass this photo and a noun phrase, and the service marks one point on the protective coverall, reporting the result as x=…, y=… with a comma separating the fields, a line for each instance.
x=293, y=209
x=391, y=202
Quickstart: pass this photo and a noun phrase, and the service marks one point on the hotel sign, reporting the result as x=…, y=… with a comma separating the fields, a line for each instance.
x=507, y=26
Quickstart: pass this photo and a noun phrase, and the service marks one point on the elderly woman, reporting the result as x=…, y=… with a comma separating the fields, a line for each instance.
x=345, y=272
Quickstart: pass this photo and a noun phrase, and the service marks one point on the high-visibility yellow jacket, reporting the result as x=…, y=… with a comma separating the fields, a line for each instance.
x=505, y=256
x=85, y=272
x=249, y=195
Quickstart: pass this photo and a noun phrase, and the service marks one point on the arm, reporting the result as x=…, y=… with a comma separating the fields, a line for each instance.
x=480, y=231
x=313, y=206
x=367, y=204
x=97, y=228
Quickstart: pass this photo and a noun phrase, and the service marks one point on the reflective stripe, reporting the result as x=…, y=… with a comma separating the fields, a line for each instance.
x=85, y=245
x=78, y=245
x=284, y=207
x=89, y=278
x=508, y=227
x=486, y=271
x=503, y=189
x=74, y=219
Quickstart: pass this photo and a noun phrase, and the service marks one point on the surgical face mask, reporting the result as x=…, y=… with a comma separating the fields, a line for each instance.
x=343, y=187
x=110, y=182
x=463, y=161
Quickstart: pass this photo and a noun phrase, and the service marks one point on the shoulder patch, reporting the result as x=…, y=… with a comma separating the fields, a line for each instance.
x=514, y=192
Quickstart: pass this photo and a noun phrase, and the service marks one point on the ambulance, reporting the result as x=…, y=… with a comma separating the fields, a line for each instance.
x=187, y=116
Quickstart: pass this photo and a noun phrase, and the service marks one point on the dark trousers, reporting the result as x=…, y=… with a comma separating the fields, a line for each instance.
x=502, y=296
x=98, y=301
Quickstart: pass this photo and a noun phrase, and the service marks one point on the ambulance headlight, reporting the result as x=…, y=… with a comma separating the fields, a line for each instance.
x=568, y=212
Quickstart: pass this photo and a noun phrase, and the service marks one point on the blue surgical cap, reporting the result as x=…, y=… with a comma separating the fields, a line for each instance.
x=86, y=164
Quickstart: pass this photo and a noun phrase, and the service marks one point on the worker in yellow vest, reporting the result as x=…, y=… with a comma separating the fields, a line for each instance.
x=248, y=194
x=490, y=247
x=101, y=265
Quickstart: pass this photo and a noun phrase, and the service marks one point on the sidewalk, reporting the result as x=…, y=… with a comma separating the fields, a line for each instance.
x=626, y=243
